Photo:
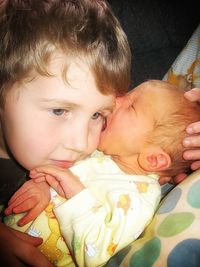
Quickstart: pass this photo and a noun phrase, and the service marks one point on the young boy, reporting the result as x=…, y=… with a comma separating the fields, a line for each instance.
x=61, y=65
x=119, y=193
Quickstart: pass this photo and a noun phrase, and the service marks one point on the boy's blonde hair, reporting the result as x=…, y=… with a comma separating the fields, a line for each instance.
x=32, y=31
x=170, y=128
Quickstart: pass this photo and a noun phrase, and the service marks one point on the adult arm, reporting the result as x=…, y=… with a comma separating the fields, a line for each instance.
x=19, y=249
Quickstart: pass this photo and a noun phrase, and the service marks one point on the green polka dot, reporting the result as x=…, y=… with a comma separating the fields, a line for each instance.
x=193, y=195
x=175, y=223
x=147, y=255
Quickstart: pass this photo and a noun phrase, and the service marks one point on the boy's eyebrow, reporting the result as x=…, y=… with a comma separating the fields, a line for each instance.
x=57, y=101
x=65, y=103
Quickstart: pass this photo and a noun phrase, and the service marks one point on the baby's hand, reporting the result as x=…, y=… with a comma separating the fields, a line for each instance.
x=31, y=197
x=62, y=180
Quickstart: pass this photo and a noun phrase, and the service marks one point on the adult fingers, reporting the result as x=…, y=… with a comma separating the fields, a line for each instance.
x=35, y=241
x=193, y=94
x=195, y=165
x=193, y=128
x=33, y=257
x=192, y=154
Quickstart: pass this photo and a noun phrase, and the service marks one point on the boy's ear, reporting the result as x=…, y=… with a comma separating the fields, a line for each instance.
x=154, y=159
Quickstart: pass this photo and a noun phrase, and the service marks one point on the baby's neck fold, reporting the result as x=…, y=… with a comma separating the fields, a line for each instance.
x=129, y=165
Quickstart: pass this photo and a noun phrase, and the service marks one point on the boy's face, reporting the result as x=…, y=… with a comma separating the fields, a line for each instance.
x=130, y=123
x=49, y=121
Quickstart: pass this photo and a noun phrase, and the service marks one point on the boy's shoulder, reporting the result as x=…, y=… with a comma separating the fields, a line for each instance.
x=11, y=178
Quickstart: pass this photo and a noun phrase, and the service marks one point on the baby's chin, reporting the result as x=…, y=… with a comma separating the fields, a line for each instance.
x=101, y=147
x=104, y=147
x=106, y=141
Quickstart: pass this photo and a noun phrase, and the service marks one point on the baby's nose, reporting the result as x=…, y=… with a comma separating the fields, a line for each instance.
x=119, y=101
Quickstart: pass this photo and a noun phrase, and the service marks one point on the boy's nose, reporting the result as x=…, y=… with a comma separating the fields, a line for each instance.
x=80, y=143
x=77, y=139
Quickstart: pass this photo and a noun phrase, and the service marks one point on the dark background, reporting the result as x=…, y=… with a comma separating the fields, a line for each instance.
x=157, y=31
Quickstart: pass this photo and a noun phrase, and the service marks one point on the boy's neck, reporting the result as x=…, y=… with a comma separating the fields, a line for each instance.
x=129, y=165
x=3, y=153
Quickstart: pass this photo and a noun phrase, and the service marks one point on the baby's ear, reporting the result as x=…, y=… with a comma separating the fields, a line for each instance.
x=154, y=159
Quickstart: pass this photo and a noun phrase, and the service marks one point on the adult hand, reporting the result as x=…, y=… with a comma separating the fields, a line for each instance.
x=192, y=142
x=19, y=249
x=172, y=180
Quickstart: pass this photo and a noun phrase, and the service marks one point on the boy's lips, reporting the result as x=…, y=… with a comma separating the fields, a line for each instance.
x=63, y=163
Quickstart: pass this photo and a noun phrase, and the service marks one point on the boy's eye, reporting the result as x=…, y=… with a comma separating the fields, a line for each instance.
x=102, y=118
x=96, y=115
x=58, y=111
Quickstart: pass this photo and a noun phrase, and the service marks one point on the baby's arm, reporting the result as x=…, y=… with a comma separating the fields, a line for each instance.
x=95, y=228
x=32, y=198
x=62, y=180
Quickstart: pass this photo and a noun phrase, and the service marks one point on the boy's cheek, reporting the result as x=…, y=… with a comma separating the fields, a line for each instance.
x=93, y=145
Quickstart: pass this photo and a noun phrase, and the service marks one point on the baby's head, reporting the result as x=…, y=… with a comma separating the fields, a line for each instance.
x=147, y=128
x=32, y=33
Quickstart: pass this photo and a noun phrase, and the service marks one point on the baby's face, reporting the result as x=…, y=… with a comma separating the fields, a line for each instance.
x=132, y=121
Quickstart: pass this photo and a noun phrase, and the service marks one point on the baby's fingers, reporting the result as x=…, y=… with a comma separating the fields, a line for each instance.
x=30, y=216
x=23, y=206
x=18, y=196
x=57, y=172
x=39, y=179
x=16, y=204
x=36, y=174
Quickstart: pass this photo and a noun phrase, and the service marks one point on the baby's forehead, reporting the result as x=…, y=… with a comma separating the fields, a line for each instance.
x=144, y=91
x=154, y=92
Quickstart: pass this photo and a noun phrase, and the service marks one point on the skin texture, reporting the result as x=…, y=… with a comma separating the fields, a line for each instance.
x=59, y=178
x=71, y=117
x=23, y=246
x=193, y=130
x=115, y=140
x=49, y=121
x=129, y=147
